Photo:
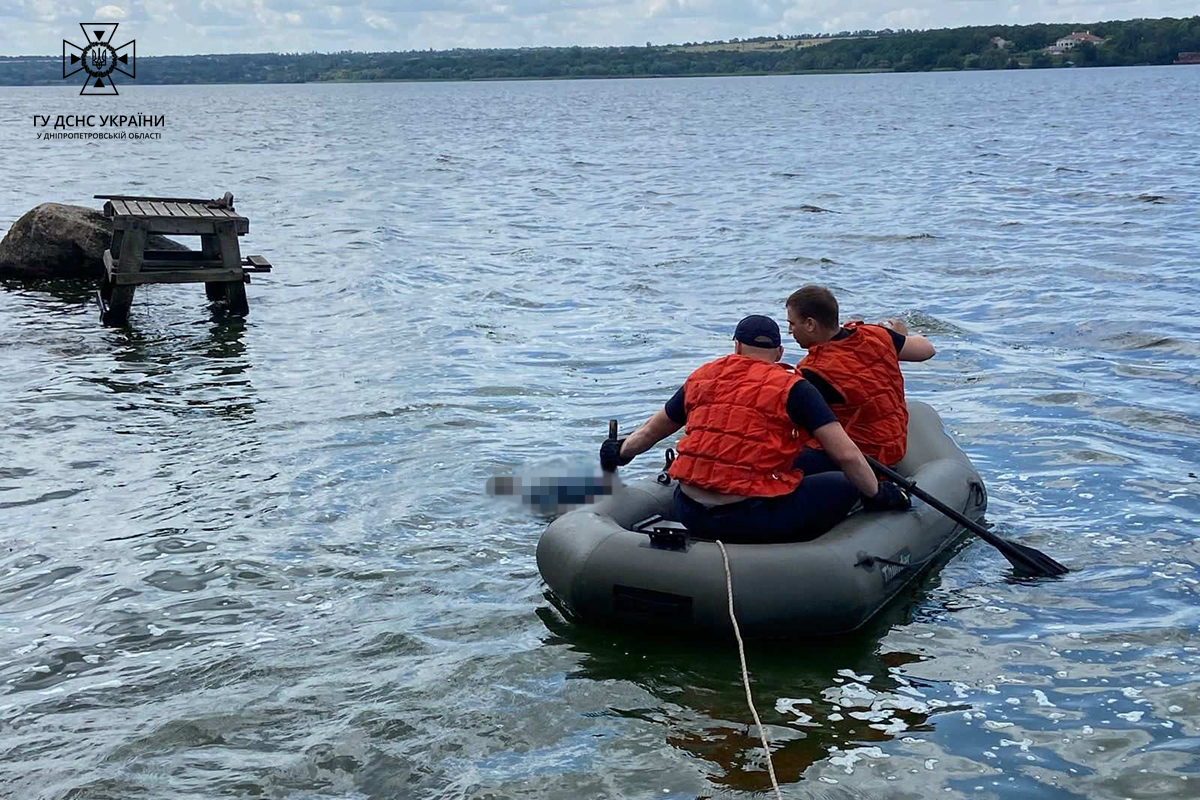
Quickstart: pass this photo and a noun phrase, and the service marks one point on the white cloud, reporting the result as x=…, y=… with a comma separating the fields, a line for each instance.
x=47, y=11
x=906, y=18
x=658, y=8
x=110, y=12
x=379, y=23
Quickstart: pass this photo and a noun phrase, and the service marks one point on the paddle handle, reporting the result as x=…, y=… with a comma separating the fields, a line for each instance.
x=912, y=488
x=612, y=429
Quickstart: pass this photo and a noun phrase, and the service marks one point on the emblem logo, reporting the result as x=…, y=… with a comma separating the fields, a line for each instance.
x=98, y=59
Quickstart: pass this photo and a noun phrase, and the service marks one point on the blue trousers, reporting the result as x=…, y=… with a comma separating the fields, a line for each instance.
x=818, y=503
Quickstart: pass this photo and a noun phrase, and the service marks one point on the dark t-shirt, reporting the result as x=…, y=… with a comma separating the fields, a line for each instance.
x=805, y=407
x=831, y=394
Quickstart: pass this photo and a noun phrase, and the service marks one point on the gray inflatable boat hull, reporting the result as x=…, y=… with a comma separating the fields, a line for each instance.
x=602, y=571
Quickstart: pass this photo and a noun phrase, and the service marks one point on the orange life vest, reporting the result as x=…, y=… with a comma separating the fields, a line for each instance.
x=739, y=438
x=864, y=369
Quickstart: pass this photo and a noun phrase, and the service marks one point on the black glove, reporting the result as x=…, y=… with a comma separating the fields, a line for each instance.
x=610, y=455
x=890, y=497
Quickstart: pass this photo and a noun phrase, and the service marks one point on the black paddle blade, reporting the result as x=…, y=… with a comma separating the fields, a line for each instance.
x=1031, y=563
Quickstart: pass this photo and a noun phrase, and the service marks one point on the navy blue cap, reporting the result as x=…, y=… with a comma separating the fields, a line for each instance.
x=757, y=331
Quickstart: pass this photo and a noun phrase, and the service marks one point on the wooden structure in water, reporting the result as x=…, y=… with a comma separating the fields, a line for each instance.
x=218, y=263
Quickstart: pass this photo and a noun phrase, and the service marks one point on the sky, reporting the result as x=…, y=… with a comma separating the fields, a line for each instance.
x=37, y=27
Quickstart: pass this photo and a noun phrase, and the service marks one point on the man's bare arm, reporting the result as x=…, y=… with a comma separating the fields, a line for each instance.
x=916, y=347
x=653, y=431
x=845, y=454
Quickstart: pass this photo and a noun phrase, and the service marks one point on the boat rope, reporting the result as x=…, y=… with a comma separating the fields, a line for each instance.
x=762, y=732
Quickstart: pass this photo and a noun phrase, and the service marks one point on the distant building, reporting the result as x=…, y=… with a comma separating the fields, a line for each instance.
x=1001, y=42
x=1188, y=58
x=1075, y=39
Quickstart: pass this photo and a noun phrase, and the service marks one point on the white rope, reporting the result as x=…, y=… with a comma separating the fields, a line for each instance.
x=762, y=732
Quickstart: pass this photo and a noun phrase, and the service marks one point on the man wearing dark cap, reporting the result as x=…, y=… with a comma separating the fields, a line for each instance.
x=747, y=418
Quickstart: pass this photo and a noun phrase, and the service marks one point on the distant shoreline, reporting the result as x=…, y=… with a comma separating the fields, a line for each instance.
x=1140, y=42
x=332, y=81
x=349, y=81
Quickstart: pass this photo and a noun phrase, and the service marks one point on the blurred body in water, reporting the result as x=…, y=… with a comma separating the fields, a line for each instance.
x=556, y=487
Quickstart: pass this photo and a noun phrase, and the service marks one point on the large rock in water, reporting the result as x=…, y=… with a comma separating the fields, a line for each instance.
x=60, y=241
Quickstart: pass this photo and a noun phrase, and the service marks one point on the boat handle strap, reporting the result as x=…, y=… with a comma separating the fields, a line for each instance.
x=870, y=561
x=664, y=477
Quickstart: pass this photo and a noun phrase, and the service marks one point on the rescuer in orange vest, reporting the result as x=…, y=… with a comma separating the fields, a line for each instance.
x=856, y=368
x=747, y=418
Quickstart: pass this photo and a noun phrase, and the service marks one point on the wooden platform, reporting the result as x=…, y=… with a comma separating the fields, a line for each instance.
x=218, y=263
x=174, y=213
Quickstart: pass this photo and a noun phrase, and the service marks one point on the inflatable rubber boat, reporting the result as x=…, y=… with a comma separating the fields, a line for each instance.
x=623, y=561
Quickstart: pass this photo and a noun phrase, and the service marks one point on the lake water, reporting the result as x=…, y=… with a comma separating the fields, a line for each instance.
x=254, y=559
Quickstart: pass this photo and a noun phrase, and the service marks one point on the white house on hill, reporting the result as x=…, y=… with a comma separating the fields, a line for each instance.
x=1071, y=41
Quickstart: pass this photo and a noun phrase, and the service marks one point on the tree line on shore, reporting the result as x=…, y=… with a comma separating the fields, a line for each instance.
x=1126, y=43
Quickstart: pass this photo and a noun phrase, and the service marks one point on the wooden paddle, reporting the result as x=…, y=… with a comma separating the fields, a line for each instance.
x=1027, y=561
